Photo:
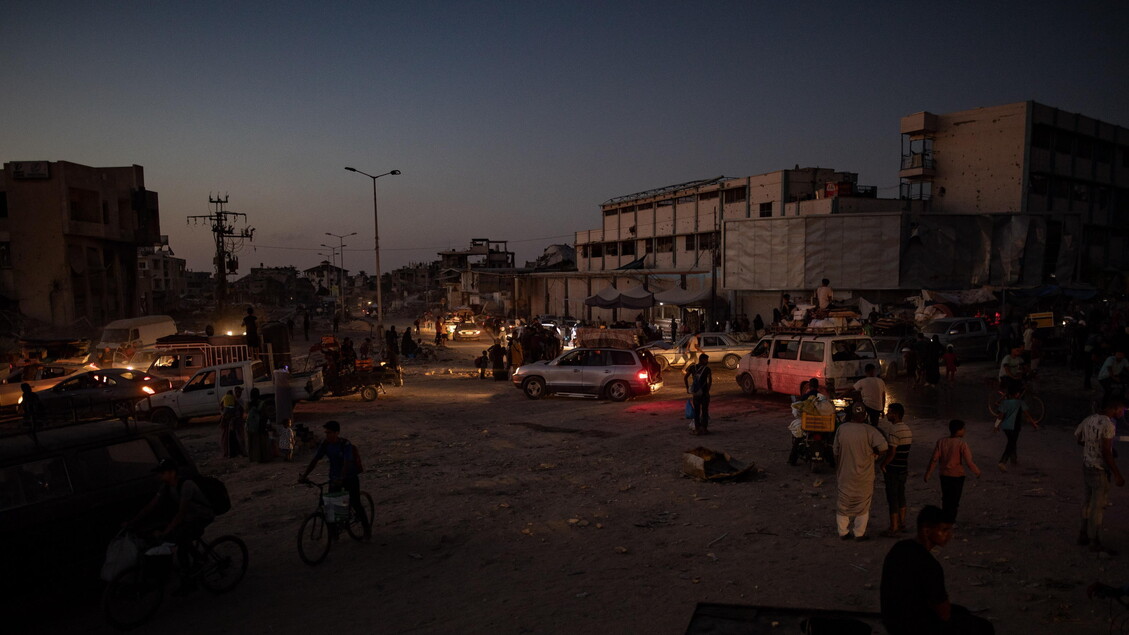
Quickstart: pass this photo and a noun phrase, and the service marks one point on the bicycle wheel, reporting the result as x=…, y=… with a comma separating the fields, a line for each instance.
x=131, y=599
x=1035, y=407
x=313, y=539
x=223, y=564
x=355, y=529
x=994, y=399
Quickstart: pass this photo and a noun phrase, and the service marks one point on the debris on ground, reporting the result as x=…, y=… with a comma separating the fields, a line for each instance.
x=705, y=464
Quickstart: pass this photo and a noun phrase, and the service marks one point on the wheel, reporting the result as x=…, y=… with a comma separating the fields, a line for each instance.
x=994, y=399
x=1035, y=407
x=313, y=539
x=130, y=599
x=534, y=388
x=664, y=363
x=618, y=391
x=165, y=417
x=746, y=383
x=356, y=531
x=731, y=362
x=368, y=393
x=223, y=564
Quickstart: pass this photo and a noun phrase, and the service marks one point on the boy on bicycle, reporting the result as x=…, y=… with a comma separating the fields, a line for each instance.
x=192, y=514
x=344, y=470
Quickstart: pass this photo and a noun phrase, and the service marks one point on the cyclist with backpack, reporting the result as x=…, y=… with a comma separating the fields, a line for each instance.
x=344, y=470
x=191, y=511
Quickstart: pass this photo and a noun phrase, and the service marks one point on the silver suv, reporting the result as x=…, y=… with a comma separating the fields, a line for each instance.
x=614, y=373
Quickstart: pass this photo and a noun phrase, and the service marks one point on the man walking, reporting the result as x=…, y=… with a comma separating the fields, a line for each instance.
x=895, y=468
x=873, y=391
x=1095, y=434
x=699, y=381
x=856, y=446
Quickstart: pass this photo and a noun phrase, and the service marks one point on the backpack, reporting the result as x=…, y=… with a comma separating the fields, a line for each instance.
x=215, y=491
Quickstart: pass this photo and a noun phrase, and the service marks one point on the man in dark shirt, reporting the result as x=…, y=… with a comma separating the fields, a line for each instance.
x=344, y=470
x=914, y=599
x=251, y=327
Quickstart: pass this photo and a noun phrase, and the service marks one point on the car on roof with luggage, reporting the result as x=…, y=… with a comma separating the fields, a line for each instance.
x=722, y=348
x=602, y=372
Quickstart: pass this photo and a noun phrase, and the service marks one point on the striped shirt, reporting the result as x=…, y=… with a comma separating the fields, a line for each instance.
x=900, y=438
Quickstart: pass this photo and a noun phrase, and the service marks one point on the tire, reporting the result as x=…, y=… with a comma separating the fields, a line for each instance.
x=224, y=564
x=664, y=363
x=356, y=531
x=368, y=393
x=731, y=362
x=618, y=391
x=313, y=539
x=165, y=417
x=534, y=388
x=748, y=386
x=1035, y=407
x=130, y=600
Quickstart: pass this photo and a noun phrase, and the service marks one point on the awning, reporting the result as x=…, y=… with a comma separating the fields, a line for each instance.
x=612, y=298
x=683, y=297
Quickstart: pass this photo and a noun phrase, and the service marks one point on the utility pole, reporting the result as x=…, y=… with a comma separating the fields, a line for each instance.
x=228, y=242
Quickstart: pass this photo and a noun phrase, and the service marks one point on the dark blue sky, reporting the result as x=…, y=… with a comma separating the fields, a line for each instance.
x=510, y=121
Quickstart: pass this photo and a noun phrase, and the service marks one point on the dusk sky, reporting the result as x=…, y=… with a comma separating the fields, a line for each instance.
x=510, y=121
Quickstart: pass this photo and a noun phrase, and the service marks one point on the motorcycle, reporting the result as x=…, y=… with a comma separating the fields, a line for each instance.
x=813, y=430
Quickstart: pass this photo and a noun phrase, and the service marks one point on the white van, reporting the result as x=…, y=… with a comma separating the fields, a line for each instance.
x=135, y=333
x=780, y=361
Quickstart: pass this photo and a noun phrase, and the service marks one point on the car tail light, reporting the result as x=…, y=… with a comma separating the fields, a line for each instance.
x=643, y=375
x=148, y=391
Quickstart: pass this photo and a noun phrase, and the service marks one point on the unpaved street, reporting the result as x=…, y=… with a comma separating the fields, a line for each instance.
x=497, y=514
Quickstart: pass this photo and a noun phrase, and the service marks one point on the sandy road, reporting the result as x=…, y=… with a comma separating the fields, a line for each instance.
x=503, y=515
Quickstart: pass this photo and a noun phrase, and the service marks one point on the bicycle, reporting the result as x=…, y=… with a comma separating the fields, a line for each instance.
x=135, y=594
x=318, y=531
x=1035, y=406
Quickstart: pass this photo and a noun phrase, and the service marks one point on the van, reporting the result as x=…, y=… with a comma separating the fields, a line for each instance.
x=135, y=333
x=781, y=360
x=65, y=492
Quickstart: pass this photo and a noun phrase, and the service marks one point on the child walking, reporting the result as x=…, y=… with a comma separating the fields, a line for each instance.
x=286, y=440
x=950, y=360
x=952, y=454
x=1010, y=415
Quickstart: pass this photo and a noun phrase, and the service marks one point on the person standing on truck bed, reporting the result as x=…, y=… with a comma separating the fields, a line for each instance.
x=251, y=327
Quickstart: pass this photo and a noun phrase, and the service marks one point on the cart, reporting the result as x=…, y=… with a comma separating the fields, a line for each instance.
x=345, y=374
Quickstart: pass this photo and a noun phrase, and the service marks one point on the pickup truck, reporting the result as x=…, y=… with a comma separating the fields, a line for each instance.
x=201, y=395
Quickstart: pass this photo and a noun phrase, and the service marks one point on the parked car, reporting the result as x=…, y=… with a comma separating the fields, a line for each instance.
x=615, y=373
x=722, y=348
x=466, y=331
x=890, y=354
x=102, y=393
x=780, y=361
x=39, y=376
x=969, y=337
x=64, y=494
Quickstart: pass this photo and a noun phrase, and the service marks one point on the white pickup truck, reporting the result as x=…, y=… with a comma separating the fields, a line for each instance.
x=201, y=395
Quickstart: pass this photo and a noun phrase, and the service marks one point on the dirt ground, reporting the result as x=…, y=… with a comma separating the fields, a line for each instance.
x=497, y=514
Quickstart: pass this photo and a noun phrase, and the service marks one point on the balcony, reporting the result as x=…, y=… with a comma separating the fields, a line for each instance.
x=917, y=165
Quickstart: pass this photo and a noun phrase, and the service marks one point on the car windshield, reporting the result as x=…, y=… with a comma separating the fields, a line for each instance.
x=937, y=327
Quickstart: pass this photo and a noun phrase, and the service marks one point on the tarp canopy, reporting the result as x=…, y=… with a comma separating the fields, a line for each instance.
x=683, y=297
x=612, y=298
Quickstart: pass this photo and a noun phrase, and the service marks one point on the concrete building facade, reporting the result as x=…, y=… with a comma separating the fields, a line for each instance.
x=1031, y=158
x=69, y=240
x=162, y=280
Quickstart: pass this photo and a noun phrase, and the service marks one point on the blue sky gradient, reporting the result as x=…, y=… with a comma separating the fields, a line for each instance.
x=510, y=121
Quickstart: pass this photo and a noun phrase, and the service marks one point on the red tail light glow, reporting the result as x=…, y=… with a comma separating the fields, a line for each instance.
x=643, y=375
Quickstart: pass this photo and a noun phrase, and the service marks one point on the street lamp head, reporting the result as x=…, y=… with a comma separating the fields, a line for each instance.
x=351, y=169
x=393, y=172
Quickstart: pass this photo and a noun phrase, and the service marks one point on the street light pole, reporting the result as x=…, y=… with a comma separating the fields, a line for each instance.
x=341, y=272
x=376, y=244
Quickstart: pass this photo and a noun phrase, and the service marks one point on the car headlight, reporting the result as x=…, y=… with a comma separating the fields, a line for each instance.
x=148, y=391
